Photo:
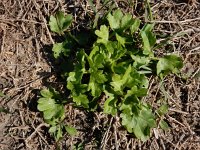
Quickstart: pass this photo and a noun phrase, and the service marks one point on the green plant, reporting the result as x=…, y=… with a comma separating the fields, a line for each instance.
x=118, y=65
x=54, y=113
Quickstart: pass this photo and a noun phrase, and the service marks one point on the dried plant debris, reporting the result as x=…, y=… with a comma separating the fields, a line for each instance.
x=27, y=65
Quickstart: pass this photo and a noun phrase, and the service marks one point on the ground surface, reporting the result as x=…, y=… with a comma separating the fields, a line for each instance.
x=26, y=66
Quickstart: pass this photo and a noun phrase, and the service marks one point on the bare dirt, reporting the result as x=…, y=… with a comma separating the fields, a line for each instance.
x=27, y=65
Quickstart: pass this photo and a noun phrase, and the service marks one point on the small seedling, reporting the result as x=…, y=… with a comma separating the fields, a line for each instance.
x=54, y=113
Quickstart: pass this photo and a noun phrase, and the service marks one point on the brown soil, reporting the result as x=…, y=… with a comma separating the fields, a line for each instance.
x=27, y=65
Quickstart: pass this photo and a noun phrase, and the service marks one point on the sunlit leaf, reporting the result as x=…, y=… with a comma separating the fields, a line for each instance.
x=114, y=20
x=71, y=130
x=81, y=100
x=163, y=125
x=169, y=63
x=163, y=109
x=103, y=34
x=60, y=22
x=110, y=105
x=135, y=26
x=121, y=40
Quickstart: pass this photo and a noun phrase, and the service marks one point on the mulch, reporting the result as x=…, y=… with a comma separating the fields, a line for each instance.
x=27, y=66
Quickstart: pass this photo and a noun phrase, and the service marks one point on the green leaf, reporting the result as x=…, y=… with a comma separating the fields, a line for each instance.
x=110, y=106
x=148, y=39
x=74, y=80
x=49, y=113
x=46, y=93
x=98, y=60
x=96, y=89
x=146, y=44
x=152, y=39
x=140, y=61
x=103, y=34
x=71, y=130
x=81, y=100
x=57, y=111
x=57, y=49
x=56, y=131
x=94, y=52
x=99, y=76
x=137, y=91
x=116, y=50
x=169, y=63
x=45, y=104
x=60, y=22
x=60, y=112
x=111, y=47
x=49, y=106
x=119, y=84
x=60, y=48
x=163, y=109
x=78, y=146
x=126, y=21
x=121, y=67
x=76, y=89
x=135, y=26
x=59, y=133
x=128, y=121
x=163, y=125
x=147, y=28
x=139, y=124
x=114, y=20
x=53, y=129
x=121, y=40
x=130, y=104
x=118, y=14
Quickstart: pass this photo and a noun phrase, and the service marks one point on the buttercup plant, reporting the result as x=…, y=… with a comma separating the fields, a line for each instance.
x=116, y=65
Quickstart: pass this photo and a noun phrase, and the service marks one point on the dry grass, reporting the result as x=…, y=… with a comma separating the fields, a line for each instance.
x=26, y=66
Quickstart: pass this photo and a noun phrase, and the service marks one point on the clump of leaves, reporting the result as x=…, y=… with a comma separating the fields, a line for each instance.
x=117, y=65
x=54, y=113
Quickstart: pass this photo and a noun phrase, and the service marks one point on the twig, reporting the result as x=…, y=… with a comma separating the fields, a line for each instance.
x=178, y=111
x=48, y=32
x=36, y=131
x=115, y=130
x=180, y=139
x=17, y=20
x=195, y=49
x=174, y=22
x=176, y=121
x=103, y=143
x=44, y=21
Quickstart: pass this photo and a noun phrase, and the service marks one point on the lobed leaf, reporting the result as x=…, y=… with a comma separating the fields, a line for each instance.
x=121, y=40
x=60, y=22
x=46, y=93
x=103, y=34
x=114, y=20
x=139, y=124
x=110, y=105
x=81, y=100
x=148, y=39
x=169, y=63
x=135, y=26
